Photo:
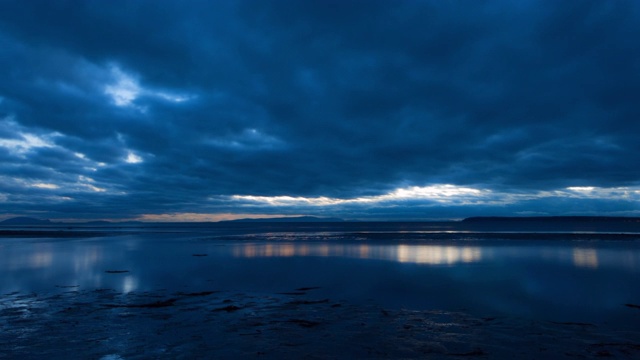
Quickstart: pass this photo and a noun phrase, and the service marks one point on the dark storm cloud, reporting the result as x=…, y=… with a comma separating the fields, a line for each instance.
x=122, y=108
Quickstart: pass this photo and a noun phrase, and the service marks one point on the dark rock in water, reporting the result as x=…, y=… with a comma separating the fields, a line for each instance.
x=309, y=302
x=199, y=255
x=571, y=323
x=308, y=288
x=116, y=271
x=477, y=352
x=304, y=323
x=229, y=308
x=201, y=293
x=156, y=304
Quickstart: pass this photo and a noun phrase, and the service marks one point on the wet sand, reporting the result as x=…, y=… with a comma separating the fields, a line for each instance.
x=79, y=318
x=108, y=325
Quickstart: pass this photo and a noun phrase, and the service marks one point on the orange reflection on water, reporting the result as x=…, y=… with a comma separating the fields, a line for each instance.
x=585, y=258
x=438, y=255
x=363, y=251
x=303, y=250
x=323, y=250
x=419, y=254
x=268, y=250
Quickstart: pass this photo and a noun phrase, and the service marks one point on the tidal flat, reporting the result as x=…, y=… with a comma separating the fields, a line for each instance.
x=175, y=293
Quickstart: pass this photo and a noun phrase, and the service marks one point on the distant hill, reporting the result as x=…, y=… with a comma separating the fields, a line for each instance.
x=289, y=219
x=97, y=222
x=107, y=223
x=551, y=219
x=23, y=220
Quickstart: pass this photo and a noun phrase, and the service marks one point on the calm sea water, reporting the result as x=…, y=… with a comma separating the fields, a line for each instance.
x=555, y=277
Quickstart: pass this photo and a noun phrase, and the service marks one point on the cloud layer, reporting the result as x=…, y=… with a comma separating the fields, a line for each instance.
x=360, y=109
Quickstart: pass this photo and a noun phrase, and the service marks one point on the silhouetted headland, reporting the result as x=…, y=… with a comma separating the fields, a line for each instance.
x=23, y=220
x=552, y=219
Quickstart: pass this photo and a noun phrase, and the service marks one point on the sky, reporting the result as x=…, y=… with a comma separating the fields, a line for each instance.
x=364, y=110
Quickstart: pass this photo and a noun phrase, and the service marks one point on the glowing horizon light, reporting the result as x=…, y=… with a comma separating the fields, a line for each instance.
x=594, y=192
x=444, y=193
x=581, y=188
x=434, y=192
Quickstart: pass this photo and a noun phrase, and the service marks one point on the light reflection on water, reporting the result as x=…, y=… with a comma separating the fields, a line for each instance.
x=417, y=254
x=576, y=255
x=527, y=278
x=42, y=257
x=437, y=255
x=585, y=258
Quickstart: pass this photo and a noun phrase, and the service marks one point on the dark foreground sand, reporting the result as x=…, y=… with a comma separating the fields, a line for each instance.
x=104, y=324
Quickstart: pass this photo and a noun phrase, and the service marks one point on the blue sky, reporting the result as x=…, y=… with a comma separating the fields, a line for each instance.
x=381, y=110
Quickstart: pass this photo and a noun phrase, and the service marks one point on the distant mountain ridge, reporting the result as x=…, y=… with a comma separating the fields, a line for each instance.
x=24, y=220
x=289, y=219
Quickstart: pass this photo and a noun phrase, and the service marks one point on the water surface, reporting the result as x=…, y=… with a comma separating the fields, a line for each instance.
x=586, y=280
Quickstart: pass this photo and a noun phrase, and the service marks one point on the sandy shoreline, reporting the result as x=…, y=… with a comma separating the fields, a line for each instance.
x=105, y=324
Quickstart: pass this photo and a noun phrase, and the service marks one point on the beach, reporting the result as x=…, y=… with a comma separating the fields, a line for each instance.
x=104, y=324
x=325, y=295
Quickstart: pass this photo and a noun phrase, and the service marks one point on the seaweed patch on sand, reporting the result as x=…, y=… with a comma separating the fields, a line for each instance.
x=104, y=324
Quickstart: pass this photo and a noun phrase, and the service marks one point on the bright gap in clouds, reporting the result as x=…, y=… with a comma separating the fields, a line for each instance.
x=581, y=188
x=446, y=194
x=27, y=141
x=133, y=158
x=126, y=89
x=443, y=193
x=45, y=186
